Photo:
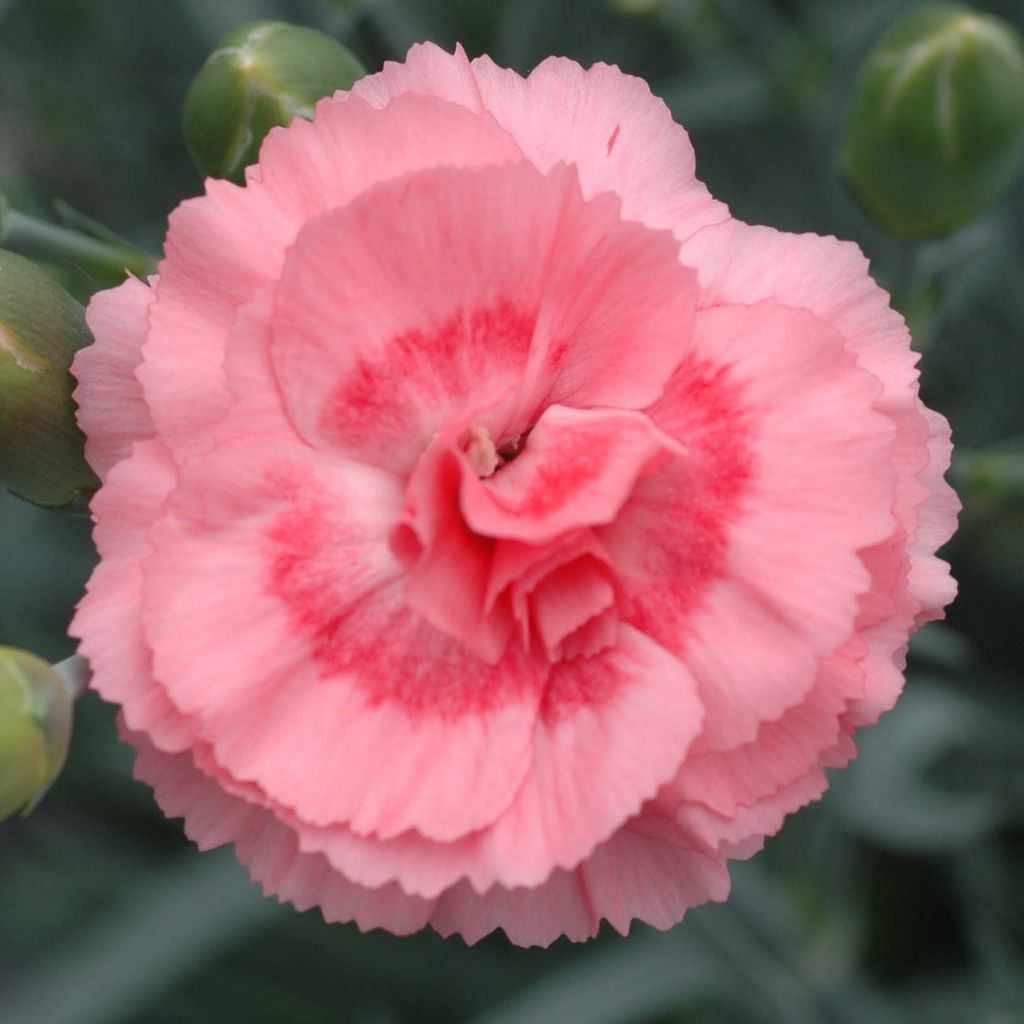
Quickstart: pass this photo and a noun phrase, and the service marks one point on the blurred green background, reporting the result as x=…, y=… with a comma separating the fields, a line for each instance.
x=900, y=898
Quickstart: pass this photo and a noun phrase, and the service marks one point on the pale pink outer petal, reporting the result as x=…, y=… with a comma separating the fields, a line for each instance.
x=621, y=138
x=273, y=709
x=929, y=581
x=268, y=848
x=820, y=489
x=739, y=263
x=742, y=834
x=650, y=870
x=111, y=410
x=470, y=753
x=453, y=284
x=784, y=750
x=223, y=246
x=647, y=871
x=107, y=618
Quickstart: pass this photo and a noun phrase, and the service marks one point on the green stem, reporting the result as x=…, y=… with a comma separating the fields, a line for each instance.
x=105, y=262
x=903, y=279
x=75, y=672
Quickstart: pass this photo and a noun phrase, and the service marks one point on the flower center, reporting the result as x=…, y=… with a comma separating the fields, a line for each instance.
x=485, y=456
x=503, y=540
x=482, y=454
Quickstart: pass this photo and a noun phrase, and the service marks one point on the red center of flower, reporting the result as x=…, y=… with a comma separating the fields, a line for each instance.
x=522, y=540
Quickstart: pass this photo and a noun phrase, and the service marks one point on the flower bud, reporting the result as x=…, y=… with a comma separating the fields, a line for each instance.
x=937, y=132
x=41, y=327
x=263, y=74
x=35, y=729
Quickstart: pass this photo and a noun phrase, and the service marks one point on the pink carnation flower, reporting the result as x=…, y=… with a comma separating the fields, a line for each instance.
x=495, y=533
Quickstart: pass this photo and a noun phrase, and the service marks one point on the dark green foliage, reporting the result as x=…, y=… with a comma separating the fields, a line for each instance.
x=897, y=900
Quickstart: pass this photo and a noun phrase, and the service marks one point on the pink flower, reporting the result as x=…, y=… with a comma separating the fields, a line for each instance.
x=494, y=532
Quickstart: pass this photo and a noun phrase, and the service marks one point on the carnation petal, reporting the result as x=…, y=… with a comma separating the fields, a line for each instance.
x=613, y=729
x=576, y=469
x=107, y=620
x=451, y=286
x=620, y=136
x=223, y=246
x=783, y=751
x=111, y=409
x=818, y=488
x=307, y=588
x=269, y=848
x=740, y=263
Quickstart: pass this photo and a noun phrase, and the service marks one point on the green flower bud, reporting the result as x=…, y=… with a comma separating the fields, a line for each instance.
x=35, y=729
x=264, y=74
x=41, y=328
x=937, y=132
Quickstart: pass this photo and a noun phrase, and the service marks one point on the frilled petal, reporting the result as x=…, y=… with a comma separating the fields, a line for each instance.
x=223, y=246
x=111, y=410
x=649, y=870
x=306, y=586
x=621, y=138
x=577, y=469
x=783, y=751
x=107, y=618
x=268, y=847
x=451, y=286
x=783, y=588
x=929, y=582
x=740, y=263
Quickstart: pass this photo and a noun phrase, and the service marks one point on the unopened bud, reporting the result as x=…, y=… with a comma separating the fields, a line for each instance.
x=41, y=328
x=263, y=74
x=937, y=132
x=35, y=729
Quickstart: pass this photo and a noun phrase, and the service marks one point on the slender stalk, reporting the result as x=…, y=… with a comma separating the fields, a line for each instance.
x=75, y=672
x=105, y=262
x=903, y=280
